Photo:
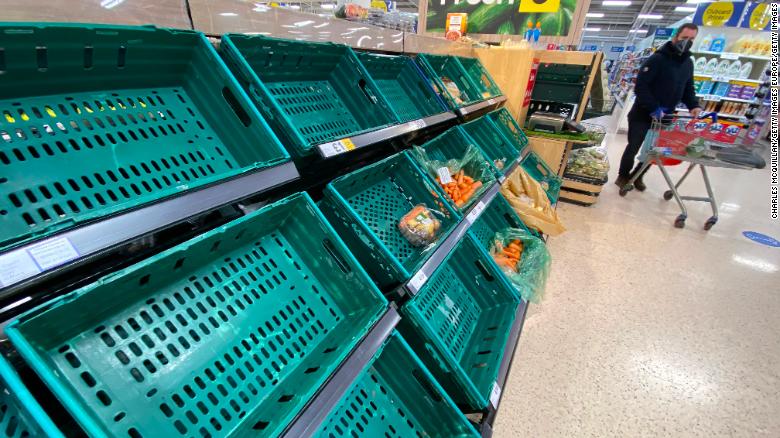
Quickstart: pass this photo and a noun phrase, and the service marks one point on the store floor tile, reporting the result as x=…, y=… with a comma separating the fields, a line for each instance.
x=649, y=330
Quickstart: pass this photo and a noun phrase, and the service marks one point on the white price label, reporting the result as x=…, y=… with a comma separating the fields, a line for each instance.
x=337, y=147
x=444, y=175
x=495, y=395
x=53, y=252
x=719, y=79
x=416, y=124
x=418, y=280
x=16, y=266
x=727, y=55
x=475, y=212
x=491, y=101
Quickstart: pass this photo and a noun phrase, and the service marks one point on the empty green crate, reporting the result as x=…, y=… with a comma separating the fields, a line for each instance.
x=493, y=143
x=538, y=170
x=438, y=67
x=395, y=396
x=403, y=84
x=498, y=215
x=97, y=119
x=312, y=93
x=228, y=334
x=459, y=321
x=455, y=144
x=20, y=413
x=365, y=207
x=509, y=127
x=480, y=77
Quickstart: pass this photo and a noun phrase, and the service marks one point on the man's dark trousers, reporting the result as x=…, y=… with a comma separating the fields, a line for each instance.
x=639, y=122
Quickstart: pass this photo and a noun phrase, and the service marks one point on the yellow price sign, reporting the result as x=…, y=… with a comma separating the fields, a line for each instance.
x=539, y=6
x=717, y=13
x=760, y=17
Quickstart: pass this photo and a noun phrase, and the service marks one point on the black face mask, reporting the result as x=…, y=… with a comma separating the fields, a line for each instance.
x=683, y=45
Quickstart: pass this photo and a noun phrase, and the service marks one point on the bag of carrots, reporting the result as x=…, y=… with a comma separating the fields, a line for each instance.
x=462, y=179
x=524, y=259
x=530, y=202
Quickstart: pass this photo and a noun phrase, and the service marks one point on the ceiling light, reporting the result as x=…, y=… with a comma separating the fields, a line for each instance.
x=650, y=16
x=229, y=14
x=696, y=2
x=685, y=9
x=327, y=6
x=294, y=7
x=592, y=29
x=594, y=15
x=637, y=31
x=615, y=3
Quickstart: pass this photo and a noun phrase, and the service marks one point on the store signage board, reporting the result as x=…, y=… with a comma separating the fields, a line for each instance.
x=531, y=82
x=718, y=14
x=757, y=16
x=630, y=48
x=505, y=17
x=616, y=49
x=664, y=32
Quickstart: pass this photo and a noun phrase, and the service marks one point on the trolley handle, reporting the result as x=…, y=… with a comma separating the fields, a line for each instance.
x=712, y=115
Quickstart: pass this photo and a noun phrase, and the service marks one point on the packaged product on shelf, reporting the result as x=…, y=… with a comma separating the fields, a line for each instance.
x=711, y=66
x=705, y=43
x=700, y=65
x=530, y=202
x=723, y=68
x=453, y=89
x=588, y=162
x=524, y=259
x=706, y=87
x=721, y=89
x=735, y=91
x=748, y=91
x=419, y=226
x=718, y=44
x=744, y=71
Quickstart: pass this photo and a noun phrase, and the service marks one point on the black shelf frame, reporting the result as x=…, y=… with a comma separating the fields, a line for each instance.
x=411, y=129
x=309, y=419
x=479, y=108
x=79, y=245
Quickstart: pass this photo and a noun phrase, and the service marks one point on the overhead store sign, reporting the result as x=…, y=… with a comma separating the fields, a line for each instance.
x=757, y=16
x=590, y=48
x=616, y=49
x=719, y=14
x=664, y=32
x=504, y=17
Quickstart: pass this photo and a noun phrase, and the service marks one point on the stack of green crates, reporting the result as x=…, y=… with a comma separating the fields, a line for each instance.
x=454, y=144
x=493, y=143
x=404, y=86
x=480, y=77
x=395, y=395
x=99, y=119
x=366, y=206
x=459, y=322
x=440, y=67
x=20, y=413
x=230, y=333
x=312, y=93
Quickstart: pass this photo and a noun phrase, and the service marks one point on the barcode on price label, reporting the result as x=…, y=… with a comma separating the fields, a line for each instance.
x=418, y=280
x=495, y=395
x=337, y=147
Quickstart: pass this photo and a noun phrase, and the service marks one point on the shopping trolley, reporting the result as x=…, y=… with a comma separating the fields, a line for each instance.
x=674, y=140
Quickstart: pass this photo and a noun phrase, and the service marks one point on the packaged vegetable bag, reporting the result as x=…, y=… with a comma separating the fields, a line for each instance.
x=524, y=259
x=530, y=202
x=463, y=179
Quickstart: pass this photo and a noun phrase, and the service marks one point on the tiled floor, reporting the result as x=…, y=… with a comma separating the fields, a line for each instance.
x=649, y=330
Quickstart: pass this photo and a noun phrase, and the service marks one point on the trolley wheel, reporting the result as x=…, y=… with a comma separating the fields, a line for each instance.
x=625, y=189
x=710, y=222
x=668, y=195
x=679, y=222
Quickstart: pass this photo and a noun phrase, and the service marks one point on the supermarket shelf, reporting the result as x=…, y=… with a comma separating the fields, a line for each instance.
x=75, y=246
x=718, y=98
x=730, y=55
x=486, y=429
x=480, y=106
x=313, y=414
x=727, y=79
x=334, y=148
x=418, y=280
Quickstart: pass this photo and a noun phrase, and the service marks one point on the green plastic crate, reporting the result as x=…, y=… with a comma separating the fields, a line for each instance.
x=228, y=334
x=509, y=127
x=365, y=207
x=538, y=170
x=403, y=84
x=312, y=93
x=20, y=413
x=440, y=66
x=498, y=215
x=454, y=144
x=493, y=143
x=97, y=119
x=480, y=77
x=395, y=396
x=458, y=323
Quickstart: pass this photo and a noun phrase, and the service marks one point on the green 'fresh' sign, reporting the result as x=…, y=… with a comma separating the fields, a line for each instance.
x=504, y=16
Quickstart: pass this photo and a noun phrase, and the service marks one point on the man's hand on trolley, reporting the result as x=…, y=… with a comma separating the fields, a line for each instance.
x=659, y=113
x=696, y=112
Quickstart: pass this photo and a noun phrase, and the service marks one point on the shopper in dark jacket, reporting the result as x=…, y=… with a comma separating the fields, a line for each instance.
x=664, y=80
